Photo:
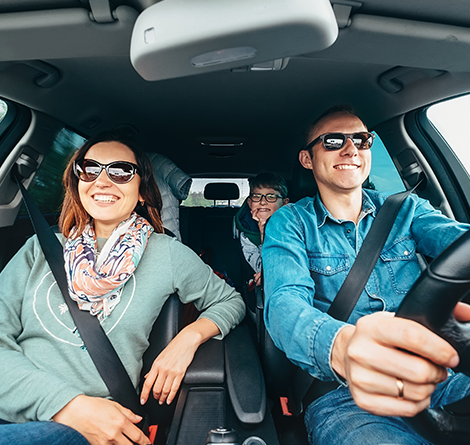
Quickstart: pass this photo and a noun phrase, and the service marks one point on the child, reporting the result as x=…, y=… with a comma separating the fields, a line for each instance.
x=268, y=193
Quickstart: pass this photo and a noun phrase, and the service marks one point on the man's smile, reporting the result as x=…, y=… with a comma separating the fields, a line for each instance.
x=346, y=166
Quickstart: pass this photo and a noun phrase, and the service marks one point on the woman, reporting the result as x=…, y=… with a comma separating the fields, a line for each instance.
x=121, y=268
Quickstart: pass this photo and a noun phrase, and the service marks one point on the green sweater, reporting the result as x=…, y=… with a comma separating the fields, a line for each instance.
x=42, y=362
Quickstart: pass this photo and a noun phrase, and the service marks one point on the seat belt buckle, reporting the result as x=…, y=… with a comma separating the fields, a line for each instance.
x=285, y=407
x=152, y=433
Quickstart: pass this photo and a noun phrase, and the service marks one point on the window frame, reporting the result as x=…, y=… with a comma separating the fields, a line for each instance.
x=12, y=127
x=452, y=176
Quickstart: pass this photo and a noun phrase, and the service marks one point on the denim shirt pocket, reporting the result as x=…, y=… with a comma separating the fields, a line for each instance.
x=325, y=270
x=402, y=264
x=327, y=264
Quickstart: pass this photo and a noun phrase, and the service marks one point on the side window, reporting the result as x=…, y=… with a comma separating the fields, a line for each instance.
x=383, y=176
x=451, y=118
x=46, y=187
x=13, y=123
x=3, y=109
x=196, y=194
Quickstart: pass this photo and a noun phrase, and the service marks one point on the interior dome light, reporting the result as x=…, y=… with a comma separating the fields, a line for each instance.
x=180, y=38
x=226, y=55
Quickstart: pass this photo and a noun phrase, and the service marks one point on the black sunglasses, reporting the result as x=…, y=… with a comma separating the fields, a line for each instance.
x=119, y=172
x=270, y=197
x=335, y=141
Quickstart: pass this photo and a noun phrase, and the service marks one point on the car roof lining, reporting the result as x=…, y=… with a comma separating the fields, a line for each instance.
x=64, y=33
x=174, y=116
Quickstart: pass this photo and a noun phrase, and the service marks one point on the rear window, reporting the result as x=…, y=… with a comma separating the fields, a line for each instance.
x=196, y=194
x=384, y=176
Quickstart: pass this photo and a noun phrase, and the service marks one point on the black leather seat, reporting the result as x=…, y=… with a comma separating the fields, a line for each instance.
x=302, y=183
x=165, y=328
x=279, y=372
x=223, y=386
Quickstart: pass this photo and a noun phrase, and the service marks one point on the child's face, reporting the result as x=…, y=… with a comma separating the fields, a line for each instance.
x=264, y=209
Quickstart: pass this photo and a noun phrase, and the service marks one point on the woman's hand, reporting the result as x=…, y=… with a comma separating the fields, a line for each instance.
x=102, y=421
x=380, y=349
x=170, y=366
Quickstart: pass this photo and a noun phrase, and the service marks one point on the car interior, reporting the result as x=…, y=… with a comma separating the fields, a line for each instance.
x=226, y=90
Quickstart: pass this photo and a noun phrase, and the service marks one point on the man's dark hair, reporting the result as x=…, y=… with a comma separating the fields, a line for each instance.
x=269, y=180
x=333, y=110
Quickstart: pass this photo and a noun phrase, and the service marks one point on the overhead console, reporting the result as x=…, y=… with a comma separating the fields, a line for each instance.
x=185, y=37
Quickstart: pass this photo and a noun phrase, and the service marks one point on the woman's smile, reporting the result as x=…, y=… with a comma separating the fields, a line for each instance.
x=105, y=199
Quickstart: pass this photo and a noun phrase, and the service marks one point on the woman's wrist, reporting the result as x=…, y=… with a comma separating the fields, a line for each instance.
x=200, y=331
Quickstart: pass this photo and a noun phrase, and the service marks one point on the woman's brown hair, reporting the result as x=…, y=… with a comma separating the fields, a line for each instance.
x=74, y=214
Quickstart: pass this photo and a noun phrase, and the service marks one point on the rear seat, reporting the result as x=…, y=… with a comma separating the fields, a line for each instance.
x=212, y=227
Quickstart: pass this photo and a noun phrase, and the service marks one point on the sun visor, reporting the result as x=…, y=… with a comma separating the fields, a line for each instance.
x=176, y=38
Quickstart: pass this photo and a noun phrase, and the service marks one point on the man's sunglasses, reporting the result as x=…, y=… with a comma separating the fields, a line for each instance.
x=335, y=141
x=270, y=197
x=119, y=172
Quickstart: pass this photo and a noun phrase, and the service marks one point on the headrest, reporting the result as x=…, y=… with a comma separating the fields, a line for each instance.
x=303, y=182
x=221, y=191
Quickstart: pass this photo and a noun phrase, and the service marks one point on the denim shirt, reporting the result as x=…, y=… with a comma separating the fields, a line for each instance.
x=307, y=254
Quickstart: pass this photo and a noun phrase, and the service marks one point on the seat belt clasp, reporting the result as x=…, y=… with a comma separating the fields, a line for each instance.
x=285, y=406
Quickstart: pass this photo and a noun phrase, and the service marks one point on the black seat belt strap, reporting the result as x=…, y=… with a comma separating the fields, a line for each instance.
x=96, y=342
x=366, y=259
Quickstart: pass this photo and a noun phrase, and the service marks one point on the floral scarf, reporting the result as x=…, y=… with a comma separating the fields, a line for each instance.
x=95, y=280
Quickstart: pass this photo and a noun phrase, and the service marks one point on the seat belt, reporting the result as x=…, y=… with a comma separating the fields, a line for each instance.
x=304, y=389
x=349, y=293
x=98, y=345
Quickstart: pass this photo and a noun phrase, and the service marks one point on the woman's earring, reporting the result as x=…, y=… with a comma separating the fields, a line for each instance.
x=142, y=203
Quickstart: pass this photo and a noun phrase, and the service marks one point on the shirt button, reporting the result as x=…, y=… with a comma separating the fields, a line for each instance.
x=406, y=252
x=348, y=231
x=328, y=267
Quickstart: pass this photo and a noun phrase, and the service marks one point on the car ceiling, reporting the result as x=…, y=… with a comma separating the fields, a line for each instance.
x=422, y=44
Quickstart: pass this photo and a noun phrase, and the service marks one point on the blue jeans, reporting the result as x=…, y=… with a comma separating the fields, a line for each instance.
x=39, y=433
x=335, y=419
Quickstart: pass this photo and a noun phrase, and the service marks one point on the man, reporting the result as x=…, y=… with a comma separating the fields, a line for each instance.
x=387, y=366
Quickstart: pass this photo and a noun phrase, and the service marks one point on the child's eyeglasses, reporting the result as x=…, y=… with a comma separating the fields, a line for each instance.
x=120, y=172
x=335, y=141
x=270, y=197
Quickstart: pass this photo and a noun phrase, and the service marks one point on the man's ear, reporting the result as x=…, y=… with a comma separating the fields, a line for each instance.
x=305, y=159
x=285, y=201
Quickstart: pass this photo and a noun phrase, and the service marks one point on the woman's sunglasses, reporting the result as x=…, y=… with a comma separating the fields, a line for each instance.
x=335, y=141
x=119, y=172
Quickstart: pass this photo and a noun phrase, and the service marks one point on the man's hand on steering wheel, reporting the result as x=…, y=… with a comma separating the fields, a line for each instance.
x=392, y=365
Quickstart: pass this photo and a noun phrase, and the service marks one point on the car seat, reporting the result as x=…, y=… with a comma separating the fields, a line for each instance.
x=223, y=386
x=283, y=378
x=206, y=229
x=165, y=328
x=248, y=288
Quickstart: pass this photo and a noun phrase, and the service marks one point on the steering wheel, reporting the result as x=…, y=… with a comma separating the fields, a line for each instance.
x=431, y=302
